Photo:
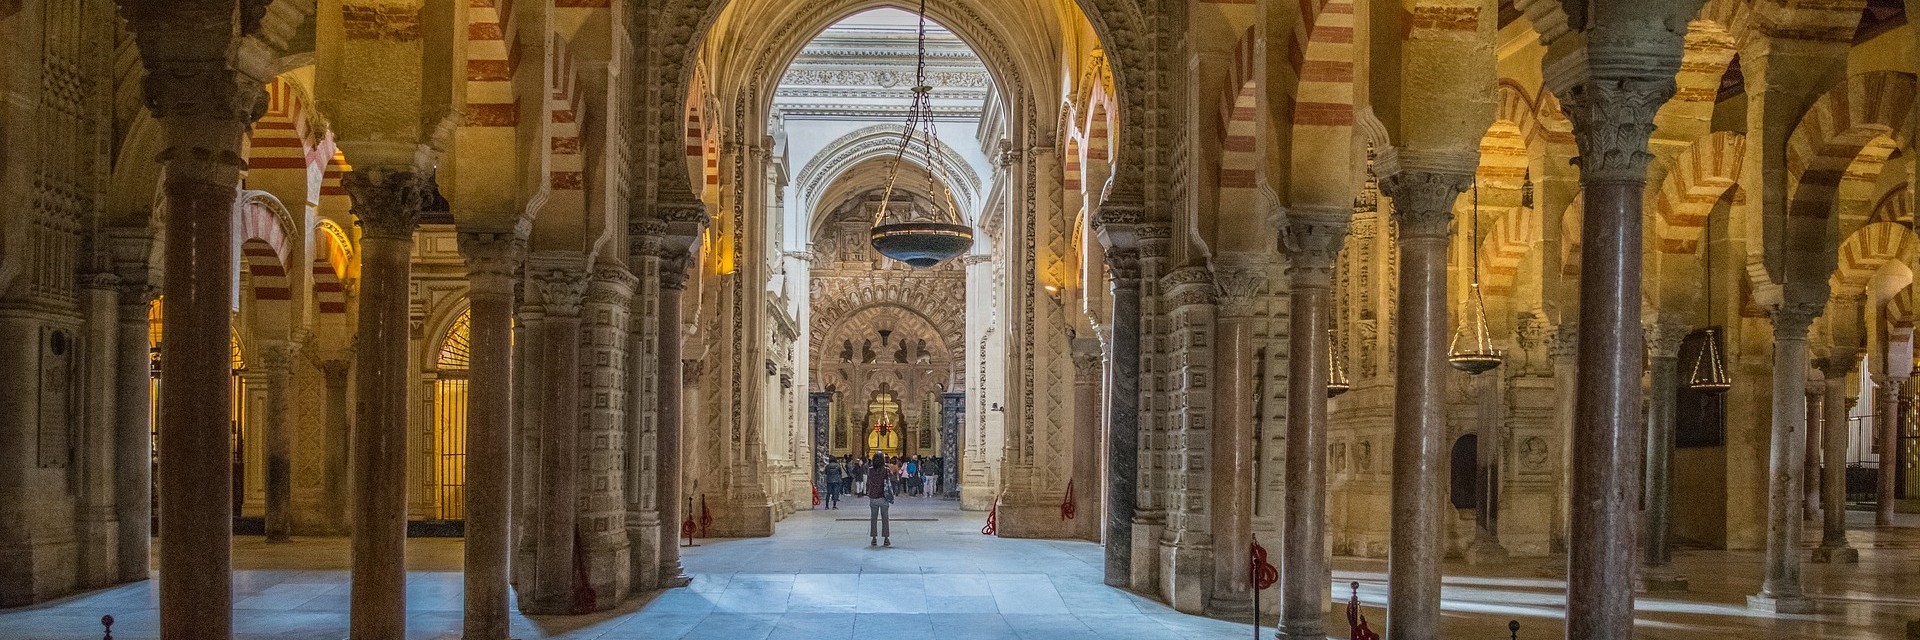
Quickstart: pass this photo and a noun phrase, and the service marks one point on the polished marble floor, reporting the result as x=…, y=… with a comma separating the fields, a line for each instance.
x=943, y=580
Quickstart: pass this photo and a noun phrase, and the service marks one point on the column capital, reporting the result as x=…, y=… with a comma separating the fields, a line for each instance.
x=1155, y=239
x=103, y=280
x=673, y=270
x=1313, y=241
x=1423, y=200
x=277, y=355
x=561, y=282
x=1123, y=266
x=1612, y=121
x=1837, y=364
x=1664, y=338
x=1791, y=319
x=386, y=200
x=611, y=284
x=646, y=237
x=491, y=259
x=1086, y=361
x=335, y=369
x=1242, y=281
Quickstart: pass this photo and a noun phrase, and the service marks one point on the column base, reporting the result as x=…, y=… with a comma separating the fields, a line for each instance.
x=1483, y=552
x=1302, y=633
x=1663, y=581
x=1146, y=556
x=1778, y=605
x=974, y=498
x=1184, y=571
x=675, y=581
x=1233, y=607
x=1837, y=555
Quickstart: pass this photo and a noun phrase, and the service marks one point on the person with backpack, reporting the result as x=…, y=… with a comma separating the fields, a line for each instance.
x=879, y=497
x=912, y=474
x=830, y=481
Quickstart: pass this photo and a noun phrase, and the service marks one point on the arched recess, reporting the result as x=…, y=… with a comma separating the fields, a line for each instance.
x=333, y=252
x=941, y=309
x=1320, y=127
x=261, y=229
x=1868, y=249
x=1696, y=179
x=450, y=363
x=1825, y=143
x=826, y=171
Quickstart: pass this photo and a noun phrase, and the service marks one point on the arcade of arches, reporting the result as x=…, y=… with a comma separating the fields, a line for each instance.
x=543, y=275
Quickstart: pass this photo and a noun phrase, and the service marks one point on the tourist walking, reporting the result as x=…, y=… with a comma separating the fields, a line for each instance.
x=879, y=496
x=857, y=481
x=830, y=480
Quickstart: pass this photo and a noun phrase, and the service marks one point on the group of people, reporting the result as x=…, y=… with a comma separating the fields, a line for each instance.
x=879, y=479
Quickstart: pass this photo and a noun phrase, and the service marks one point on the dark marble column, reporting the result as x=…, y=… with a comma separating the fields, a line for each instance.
x=1423, y=206
x=491, y=258
x=1886, y=428
x=1123, y=410
x=133, y=435
x=203, y=109
x=1781, y=593
x=1312, y=240
x=277, y=359
x=1486, y=548
x=1810, y=459
x=1242, y=283
x=673, y=283
x=1833, y=460
x=339, y=432
x=1656, y=564
x=560, y=280
x=1612, y=118
x=387, y=201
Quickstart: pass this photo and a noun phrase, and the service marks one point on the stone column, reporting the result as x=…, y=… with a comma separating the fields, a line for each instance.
x=133, y=401
x=1423, y=206
x=1612, y=118
x=96, y=515
x=1833, y=468
x=339, y=432
x=1810, y=459
x=1486, y=547
x=673, y=282
x=491, y=258
x=203, y=109
x=1242, y=282
x=1781, y=592
x=1087, y=461
x=277, y=359
x=560, y=279
x=1886, y=428
x=645, y=529
x=1123, y=406
x=1312, y=240
x=1656, y=570
x=1150, y=486
x=387, y=201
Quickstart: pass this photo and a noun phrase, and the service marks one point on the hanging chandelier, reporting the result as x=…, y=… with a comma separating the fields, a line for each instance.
x=1337, y=382
x=917, y=238
x=1709, y=373
x=1472, y=348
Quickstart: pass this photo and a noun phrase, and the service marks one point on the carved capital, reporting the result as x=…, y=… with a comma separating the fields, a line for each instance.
x=560, y=279
x=1423, y=200
x=1313, y=245
x=1241, y=280
x=1612, y=120
x=1086, y=361
x=611, y=284
x=386, y=200
x=491, y=260
x=1837, y=364
x=1791, y=319
x=1123, y=266
x=646, y=237
x=1155, y=239
x=1664, y=338
x=276, y=356
x=1187, y=286
x=673, y=270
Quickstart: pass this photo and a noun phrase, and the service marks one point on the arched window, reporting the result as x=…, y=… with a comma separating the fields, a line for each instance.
x=450, y=419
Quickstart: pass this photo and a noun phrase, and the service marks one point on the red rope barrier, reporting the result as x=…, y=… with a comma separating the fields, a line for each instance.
x=1067, y=505
x=1357, y=624
x=816, y=495
x=706, y=518
x=993, y=520
x=1260, y=572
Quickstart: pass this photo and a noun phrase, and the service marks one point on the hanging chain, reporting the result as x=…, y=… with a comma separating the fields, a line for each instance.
x=919, y=124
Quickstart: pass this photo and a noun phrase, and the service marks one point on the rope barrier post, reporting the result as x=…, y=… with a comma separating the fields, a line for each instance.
x=1513, y=630
x=107, y=621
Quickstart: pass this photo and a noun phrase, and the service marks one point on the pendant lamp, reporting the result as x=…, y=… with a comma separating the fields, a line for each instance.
x=1336, y=370
x=1709, y=373
x=930, y=239
x=1472, y=348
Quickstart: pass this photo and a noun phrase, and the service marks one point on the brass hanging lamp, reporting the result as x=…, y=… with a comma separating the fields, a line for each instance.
x=1472, y=348
x=1709, y=373
x=1337, y=382
x=923, y=240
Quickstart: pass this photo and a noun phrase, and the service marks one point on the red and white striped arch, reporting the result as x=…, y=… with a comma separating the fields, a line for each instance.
x=1239, y=153
x=1836, y=130
x=1864, y=252
x=1694, y=182
x=1505, y=247
x=492, y=58
x=332, y=251
x=260, y=232
x=567, y=170
x=1324, y=65
x=279, y=140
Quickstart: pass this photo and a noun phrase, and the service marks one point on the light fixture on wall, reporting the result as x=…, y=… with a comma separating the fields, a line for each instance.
x=1336, y=370
x=1472, y=349
x=928, y=240
x=1709, y=373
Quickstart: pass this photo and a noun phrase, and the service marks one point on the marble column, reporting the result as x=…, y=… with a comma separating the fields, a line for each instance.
x=1242, y=280
x=1087, y=461
x=1656, y=562
x=673, y=283
x=1312, y=240
x=1612, y=117
x=1486, y=548
x=96, y=516
x=1423, y=206
x=133, y=426
x=1781, y=592
x=203, y=110
x=491, y=258
x=1833, y=468
x=334, y=372
x=277, y=359
x=387, y=201
x=1123, y=407
x=1810, y=460
x=1886, y=428
x=560, y=280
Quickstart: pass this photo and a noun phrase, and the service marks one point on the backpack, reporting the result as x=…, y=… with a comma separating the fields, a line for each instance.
x=877, y=482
